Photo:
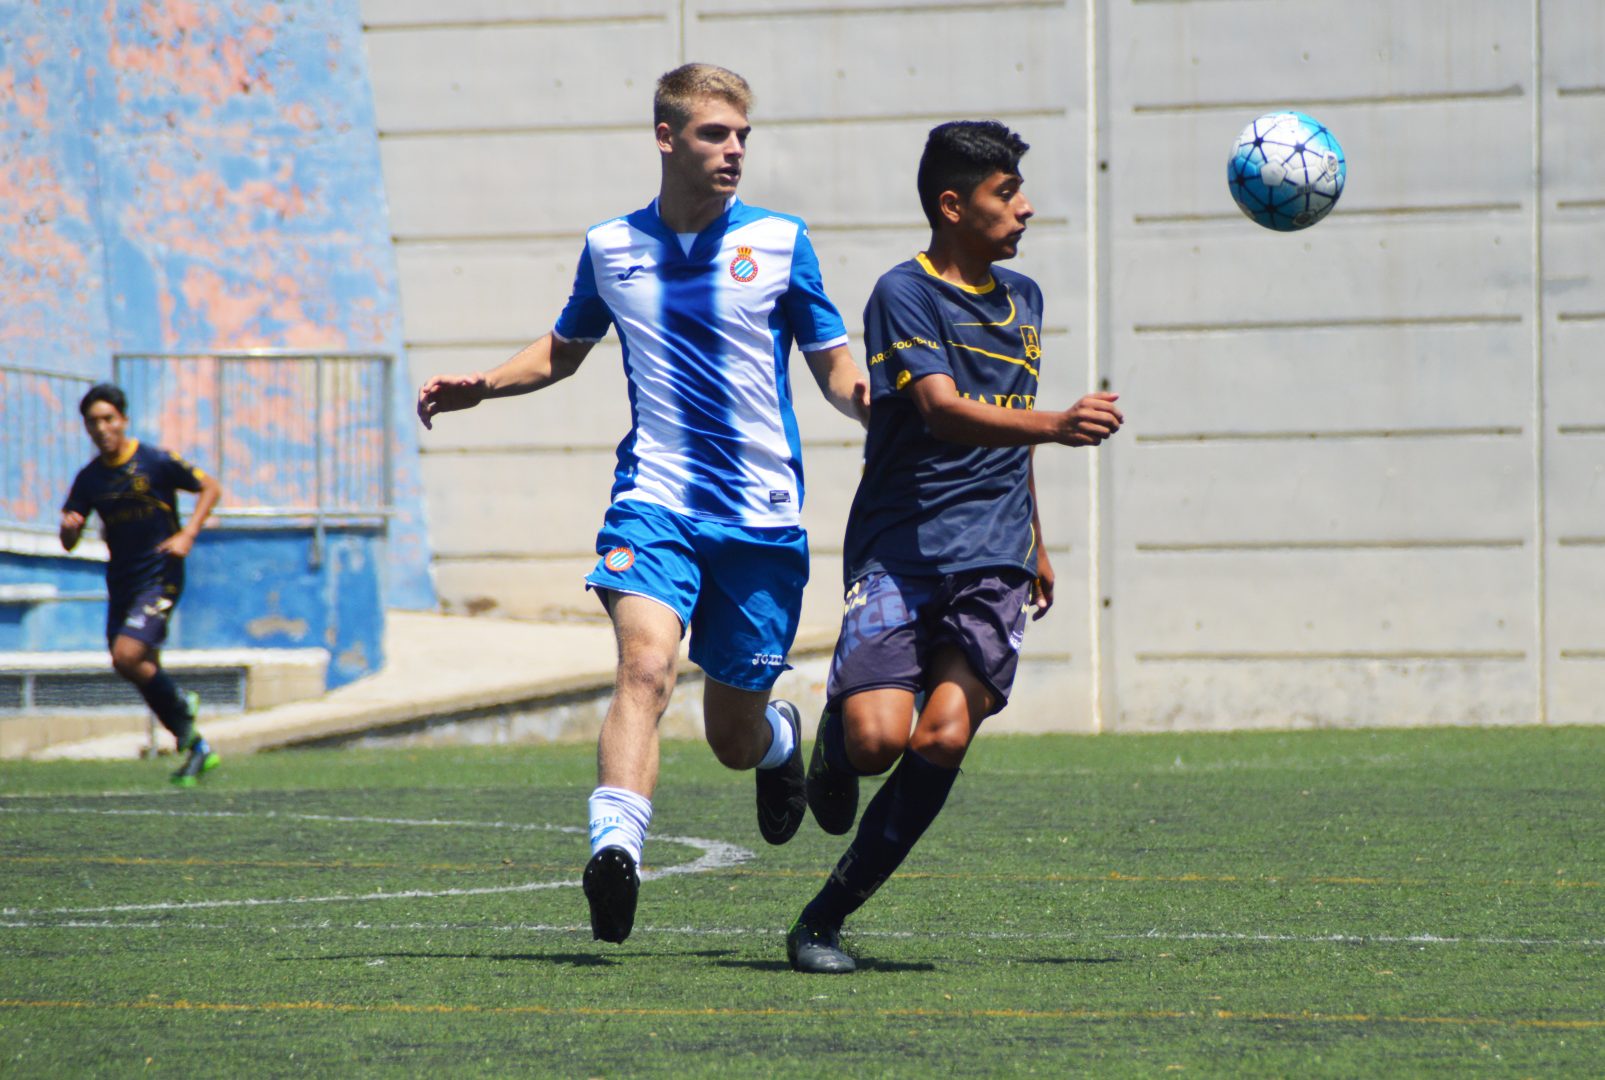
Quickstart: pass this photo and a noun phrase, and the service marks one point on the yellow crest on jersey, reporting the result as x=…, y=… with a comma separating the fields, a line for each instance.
x=1033, y=344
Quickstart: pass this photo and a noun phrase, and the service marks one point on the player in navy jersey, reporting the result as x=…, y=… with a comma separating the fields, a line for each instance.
x=134, y=488
x=704, y=533
x=944, y=558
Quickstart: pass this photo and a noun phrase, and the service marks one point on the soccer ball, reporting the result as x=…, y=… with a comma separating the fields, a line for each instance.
x=1286, y=171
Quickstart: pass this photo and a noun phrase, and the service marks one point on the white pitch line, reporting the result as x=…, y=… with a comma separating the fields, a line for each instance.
x=716, y=855
x=739, y=931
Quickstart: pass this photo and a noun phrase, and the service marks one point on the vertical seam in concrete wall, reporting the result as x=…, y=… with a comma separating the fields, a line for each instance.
x=1540, y=419
x=1095, y=617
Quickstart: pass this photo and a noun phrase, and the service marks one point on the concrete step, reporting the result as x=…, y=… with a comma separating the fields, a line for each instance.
x=461, y=680
x=52, y=698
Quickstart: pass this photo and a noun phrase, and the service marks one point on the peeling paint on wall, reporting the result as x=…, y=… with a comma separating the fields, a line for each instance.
x=182, y=177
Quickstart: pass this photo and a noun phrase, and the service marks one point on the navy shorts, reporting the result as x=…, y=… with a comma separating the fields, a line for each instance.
x=736, y=588
x=893, y=623
x=142, y=615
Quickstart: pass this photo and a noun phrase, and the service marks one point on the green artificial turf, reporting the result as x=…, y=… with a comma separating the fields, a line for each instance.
x=1311, y=904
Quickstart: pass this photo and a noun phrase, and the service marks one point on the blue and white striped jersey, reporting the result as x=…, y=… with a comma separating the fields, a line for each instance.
x=706, y=336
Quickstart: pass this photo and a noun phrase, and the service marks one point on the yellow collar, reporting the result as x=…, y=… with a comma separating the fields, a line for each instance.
x=978, y=290
x=129, y=447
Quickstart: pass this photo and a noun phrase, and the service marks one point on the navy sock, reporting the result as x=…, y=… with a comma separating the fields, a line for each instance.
x=162, y=695
x=833, y=733
x=892, y=824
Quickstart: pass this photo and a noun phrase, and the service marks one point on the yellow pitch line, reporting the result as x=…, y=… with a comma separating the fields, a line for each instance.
x=890, y=1014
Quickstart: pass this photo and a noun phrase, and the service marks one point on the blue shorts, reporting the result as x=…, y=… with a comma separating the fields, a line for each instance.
x=737, y=589
x=142, y=615
x=892, y=623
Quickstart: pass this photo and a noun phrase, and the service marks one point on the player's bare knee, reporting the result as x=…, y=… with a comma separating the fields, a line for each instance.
x=873, y=750
x=944, y=746
x=128, y=661
x=648, y=680
x=732, y=751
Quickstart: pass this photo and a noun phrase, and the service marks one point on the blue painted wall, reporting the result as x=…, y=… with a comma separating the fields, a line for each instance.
x=190, y=177
x=243, y=589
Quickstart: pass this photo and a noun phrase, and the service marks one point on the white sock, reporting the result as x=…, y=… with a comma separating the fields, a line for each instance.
x=781, y=746
x=619, y=818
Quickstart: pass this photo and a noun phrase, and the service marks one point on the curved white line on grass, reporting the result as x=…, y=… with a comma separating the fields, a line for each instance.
x=716, y=855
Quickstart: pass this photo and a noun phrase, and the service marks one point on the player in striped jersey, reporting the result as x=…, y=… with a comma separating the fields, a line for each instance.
x=704, y=533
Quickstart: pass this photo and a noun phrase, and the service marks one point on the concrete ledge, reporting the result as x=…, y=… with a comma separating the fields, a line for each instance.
x=443, y=670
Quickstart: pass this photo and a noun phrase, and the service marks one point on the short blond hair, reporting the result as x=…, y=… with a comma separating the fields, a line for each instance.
x=679, y=91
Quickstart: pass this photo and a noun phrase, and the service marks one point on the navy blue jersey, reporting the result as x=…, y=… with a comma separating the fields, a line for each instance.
x=925, y=506
x=138, y=507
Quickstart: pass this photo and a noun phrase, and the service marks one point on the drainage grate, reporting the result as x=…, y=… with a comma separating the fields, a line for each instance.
x=221, y=690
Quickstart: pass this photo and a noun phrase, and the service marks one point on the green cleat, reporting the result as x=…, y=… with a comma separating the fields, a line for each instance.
x=202, y=758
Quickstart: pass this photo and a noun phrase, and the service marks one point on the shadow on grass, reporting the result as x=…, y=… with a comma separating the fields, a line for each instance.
x=573, y=959
x=888, y=966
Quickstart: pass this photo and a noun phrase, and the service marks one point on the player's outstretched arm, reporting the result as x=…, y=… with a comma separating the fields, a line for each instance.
x=538, y=364
x=954, y=418
x=841, y=381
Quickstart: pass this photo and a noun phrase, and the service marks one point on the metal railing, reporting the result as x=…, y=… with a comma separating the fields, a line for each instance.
x=42, y=445
x=298, y=438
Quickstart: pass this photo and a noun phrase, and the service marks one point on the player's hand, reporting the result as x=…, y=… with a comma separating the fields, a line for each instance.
x=1042, y=588
x=72, y=519
x=178, y=545
x=1091, y=420
x=861, y=401
x=449, y=393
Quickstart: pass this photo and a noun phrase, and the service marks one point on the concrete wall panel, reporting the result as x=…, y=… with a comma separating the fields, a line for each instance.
x=1401, y=162
x=859, y=62
x=1388, y=378
x=1266, y=53
x=1242, y=695
x=1327, y=491
x=380, y=16
x=1438, y=601
x=1338, y=272
x=520, y=75
x=516, y=184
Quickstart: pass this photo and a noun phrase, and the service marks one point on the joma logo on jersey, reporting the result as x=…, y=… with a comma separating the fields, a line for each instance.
x=1033, y=344
x=743, y=267
x=768, y=659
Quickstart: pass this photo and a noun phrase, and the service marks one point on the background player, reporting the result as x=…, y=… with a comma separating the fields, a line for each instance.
x=944, y=555
x=134, y=488
x=704, y=531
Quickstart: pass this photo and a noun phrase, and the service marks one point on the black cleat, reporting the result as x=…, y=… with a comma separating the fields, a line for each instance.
x=817, y=950
x=832, y=793
x=781, y=802
x=611, y=887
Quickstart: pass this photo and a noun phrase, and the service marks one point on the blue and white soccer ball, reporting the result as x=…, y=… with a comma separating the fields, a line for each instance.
x=1286, y=171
